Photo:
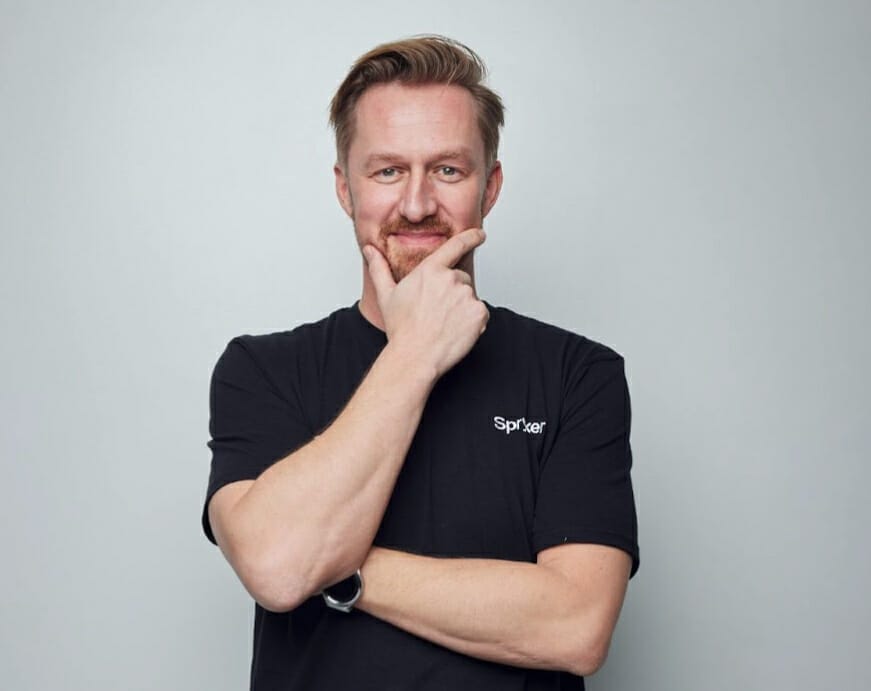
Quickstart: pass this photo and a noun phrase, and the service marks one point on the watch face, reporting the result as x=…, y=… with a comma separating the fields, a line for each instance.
x=344, y=590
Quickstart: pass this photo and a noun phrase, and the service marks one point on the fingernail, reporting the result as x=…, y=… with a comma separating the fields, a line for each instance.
x=367, y=253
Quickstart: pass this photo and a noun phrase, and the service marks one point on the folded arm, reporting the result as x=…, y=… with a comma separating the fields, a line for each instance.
x=310, y=518
x=558, y=613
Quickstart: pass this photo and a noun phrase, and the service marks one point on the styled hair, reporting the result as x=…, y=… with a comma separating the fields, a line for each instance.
x=420, y=60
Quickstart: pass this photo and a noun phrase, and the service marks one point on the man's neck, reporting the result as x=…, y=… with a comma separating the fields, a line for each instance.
x=368, y=305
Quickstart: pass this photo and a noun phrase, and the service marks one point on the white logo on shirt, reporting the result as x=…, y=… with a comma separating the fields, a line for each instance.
x=518, y=425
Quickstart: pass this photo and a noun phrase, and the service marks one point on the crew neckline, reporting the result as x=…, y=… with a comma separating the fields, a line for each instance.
x=368, y=326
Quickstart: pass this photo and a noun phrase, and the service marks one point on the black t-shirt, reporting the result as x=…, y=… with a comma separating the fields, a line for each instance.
x=523, y=445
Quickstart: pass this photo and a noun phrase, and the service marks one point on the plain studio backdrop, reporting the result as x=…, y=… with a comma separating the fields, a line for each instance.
x=687, y=182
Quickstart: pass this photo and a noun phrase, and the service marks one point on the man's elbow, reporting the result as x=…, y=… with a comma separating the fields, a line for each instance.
x=274, y=575
x=275, y=588
x=280, y=580
x=585, y=652
x=588, y=659
x=278, y=602
x=579, y=643
x=279, y=571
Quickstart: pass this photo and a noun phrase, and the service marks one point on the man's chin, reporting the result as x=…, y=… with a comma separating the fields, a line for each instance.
x=404, y=262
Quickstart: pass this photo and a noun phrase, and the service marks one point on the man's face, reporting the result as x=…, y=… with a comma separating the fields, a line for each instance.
x=415, y=172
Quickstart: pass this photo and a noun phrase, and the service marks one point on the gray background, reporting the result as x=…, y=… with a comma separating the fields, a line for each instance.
x=687, y=182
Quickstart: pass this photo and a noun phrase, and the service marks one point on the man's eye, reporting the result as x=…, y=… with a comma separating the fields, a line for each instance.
x=387, y=172
x=449, y=171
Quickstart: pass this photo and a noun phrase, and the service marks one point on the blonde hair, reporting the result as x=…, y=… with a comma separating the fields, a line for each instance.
x=428, y=59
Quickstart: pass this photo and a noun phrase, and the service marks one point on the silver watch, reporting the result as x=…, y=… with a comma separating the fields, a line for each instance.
x=338, y=596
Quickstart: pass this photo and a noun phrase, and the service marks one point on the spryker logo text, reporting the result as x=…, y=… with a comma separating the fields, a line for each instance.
x=518, y=425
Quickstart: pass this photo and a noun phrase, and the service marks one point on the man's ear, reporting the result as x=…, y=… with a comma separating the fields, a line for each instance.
x=343, y=190
x=492, y=189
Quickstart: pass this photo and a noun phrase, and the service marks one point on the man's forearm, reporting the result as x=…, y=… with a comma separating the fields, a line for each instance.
x=310, y=518
x=516, y=613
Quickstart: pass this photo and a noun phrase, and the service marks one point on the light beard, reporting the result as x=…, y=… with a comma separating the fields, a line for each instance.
x=403, y=260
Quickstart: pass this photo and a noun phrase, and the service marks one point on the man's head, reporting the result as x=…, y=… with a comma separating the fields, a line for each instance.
x=417, y=135
x=417, y=61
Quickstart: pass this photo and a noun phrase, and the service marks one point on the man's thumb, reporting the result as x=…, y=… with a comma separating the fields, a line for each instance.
x=379, y=271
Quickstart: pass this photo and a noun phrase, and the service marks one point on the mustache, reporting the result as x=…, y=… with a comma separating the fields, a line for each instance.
x=430, y=224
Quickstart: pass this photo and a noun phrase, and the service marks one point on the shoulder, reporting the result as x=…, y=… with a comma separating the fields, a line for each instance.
x=281, y=344
x=548, y=341
x=280, y=353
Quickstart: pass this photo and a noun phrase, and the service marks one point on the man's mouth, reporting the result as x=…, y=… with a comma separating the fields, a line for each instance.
x=418, y=238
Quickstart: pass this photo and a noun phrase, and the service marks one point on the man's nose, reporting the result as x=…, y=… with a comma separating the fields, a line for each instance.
x=418, y=198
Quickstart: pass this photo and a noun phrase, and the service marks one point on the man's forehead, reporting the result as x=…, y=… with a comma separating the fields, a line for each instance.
x=399, y=92
x=392, y=116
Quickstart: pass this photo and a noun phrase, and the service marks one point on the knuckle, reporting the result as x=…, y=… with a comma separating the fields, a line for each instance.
x=467, y=290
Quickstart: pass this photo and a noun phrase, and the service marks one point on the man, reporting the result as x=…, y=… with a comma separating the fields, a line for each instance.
x=423, y=491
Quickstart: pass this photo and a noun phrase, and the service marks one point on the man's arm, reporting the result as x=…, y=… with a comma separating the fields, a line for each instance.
x=558, y=613
x=310, y=518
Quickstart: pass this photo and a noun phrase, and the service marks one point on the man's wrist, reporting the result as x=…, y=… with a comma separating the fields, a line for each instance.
x=411, y=365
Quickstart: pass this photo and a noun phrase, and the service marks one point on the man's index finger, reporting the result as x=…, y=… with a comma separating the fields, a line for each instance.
x=456, y=247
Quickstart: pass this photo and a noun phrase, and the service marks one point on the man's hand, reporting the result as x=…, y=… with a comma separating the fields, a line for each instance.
x=434, y=311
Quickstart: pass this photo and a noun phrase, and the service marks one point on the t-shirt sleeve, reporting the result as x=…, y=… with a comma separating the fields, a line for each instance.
x=585, y=489
x=252, y=423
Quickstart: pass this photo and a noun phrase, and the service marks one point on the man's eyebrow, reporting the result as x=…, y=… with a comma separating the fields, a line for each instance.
x=375, y=159
x=462, y=154
x=454, y=155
